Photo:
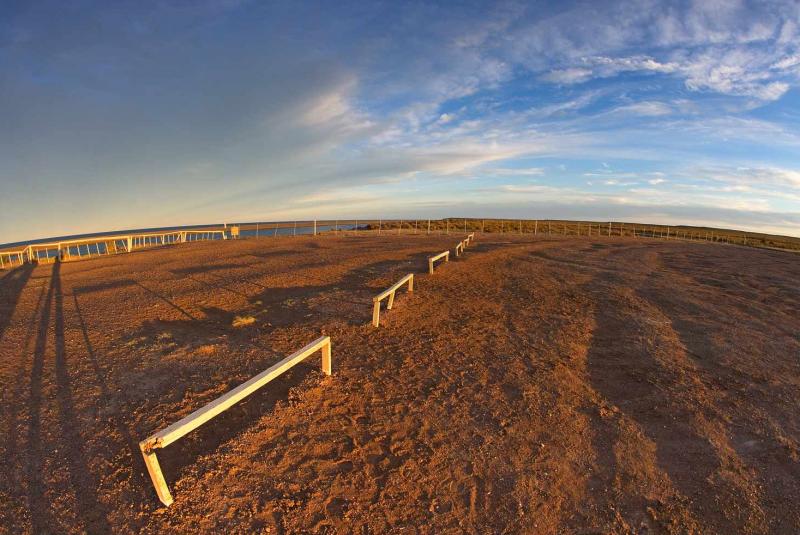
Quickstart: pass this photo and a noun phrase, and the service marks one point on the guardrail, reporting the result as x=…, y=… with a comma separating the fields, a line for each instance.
x=188, y=424
x=88, y=247
x=7, y=259
x=99, y=245
x=376, y=307
x=432, y=259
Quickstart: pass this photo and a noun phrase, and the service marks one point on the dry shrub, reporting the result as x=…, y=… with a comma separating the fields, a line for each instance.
x=207, y=349
x=243, y=321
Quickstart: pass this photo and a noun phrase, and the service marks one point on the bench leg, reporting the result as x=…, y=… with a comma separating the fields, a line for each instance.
x=156, y=476
x=326, y=359
x=376, y=313
x=391, y=301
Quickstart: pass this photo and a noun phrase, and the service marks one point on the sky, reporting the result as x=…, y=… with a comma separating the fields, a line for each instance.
x=117, y=115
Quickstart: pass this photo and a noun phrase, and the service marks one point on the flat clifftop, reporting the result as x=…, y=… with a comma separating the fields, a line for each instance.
x=541, y=385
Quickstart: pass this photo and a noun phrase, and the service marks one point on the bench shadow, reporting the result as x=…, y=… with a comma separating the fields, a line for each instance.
x=287, y=306
x=103, y=286
x=348, y=299
x=194, y=270
x=280, y=253
x=180, y=457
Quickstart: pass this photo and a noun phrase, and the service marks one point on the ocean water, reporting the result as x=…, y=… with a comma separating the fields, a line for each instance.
x=269, y=231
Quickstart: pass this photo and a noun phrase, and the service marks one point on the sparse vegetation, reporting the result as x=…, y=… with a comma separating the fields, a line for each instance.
x=243, y=321
x=207, y=349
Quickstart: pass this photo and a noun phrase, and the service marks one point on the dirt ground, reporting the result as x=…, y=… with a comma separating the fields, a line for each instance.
x=585, y=385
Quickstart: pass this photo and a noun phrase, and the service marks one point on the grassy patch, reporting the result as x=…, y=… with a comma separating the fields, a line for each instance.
x=207, y=349
x=243, y=321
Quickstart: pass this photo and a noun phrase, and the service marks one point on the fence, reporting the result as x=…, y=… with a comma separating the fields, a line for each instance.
x=100, y=245
x=88, y=247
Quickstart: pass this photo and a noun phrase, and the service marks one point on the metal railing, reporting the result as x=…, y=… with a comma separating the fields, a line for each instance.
x=80, y=248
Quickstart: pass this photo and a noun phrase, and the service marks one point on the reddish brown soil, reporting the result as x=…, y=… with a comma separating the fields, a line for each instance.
x=557, y=386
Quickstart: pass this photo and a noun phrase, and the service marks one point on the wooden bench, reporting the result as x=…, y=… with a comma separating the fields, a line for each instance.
x=376, y=307
x=460, y=247
x=182, y=427
x=432, y=259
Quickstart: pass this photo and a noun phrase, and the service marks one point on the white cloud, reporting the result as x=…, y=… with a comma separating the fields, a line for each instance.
x=573, y=75
x=605, y=67
x=754, y=176
x=529, y=188
x=646, y=108
x=516, y=171
x=787, y=62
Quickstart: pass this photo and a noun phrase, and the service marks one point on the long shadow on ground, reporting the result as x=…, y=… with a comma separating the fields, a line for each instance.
x=11, y=286
x=635, y=375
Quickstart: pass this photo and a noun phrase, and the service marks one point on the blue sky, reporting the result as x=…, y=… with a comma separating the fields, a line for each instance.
x=134, y=114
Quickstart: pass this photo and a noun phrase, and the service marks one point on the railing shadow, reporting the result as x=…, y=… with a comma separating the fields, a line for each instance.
x=84, y=483
x=38, y=507
x=106, y=395
x=11, y=286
